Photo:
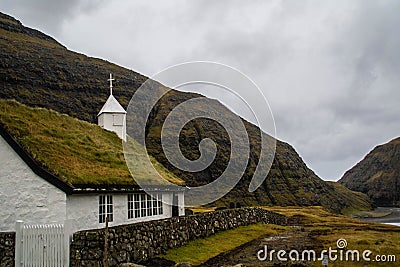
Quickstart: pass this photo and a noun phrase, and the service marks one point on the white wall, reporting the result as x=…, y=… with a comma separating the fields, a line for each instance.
x=24, y=195
x=83, y=211
x=181, y=203
x=106, y=121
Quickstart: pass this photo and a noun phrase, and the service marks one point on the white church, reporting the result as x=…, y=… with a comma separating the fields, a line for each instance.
x=32, y=194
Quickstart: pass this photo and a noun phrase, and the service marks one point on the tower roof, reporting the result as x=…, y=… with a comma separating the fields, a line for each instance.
x=112, y=106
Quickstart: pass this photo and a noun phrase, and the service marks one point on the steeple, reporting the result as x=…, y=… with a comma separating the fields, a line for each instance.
x=112, y=115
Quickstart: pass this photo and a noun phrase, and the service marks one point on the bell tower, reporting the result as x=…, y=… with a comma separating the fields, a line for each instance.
x=112, y=115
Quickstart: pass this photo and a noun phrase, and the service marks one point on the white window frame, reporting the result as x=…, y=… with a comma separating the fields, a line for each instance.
x=142, y=205
x=106, y=208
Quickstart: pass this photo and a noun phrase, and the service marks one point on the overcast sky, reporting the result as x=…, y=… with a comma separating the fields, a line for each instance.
x=330, y=69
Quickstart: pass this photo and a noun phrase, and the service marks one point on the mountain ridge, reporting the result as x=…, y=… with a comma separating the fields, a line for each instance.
x=72, y=86
x=377, y=174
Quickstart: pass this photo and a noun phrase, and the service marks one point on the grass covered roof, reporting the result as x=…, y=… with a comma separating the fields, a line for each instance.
x=75, y=151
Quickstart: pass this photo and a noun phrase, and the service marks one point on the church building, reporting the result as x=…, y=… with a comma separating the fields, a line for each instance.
x=36, y=195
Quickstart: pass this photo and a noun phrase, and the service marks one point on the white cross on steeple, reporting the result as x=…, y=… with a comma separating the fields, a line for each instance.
x=111, y=80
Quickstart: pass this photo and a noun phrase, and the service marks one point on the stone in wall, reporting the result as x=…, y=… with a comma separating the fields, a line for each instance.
x=7, y=249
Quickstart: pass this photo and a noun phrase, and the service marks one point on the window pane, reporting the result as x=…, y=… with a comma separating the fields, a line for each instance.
x=130, y=206
x=149, y=206
x=101, y=209
x=137, y=206
x=155, y=206
x=143, y=205
x=160, y=204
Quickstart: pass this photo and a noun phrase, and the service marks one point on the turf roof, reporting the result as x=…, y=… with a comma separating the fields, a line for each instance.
x=77, y=152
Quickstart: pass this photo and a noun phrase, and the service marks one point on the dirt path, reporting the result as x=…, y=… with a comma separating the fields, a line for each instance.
x=246, y=254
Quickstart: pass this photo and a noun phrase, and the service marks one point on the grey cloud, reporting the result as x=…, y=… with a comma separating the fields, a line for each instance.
x=47, y=15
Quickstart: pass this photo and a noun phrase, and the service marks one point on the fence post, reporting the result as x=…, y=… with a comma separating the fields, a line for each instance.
x=67, y=241
x=105, y=251
x=18, y=242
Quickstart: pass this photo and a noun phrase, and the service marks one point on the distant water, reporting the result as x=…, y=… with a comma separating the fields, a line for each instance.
x=396, y=223
x=393, y=218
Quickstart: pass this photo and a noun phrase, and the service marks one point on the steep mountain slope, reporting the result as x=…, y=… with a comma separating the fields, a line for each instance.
x=378, y=175
x=38, y=71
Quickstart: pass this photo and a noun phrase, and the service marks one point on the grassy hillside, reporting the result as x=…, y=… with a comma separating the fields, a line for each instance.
x=76, y=151
x=378, y=174
x=38, y=71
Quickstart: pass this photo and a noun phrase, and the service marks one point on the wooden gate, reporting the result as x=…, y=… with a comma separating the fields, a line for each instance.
x=41, y=245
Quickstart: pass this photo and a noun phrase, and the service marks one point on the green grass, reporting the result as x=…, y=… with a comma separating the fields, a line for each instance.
x=200, y=250
x=325, y=227
x=76, y=151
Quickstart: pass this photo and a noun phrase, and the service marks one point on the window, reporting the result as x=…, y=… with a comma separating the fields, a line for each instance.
x=131, y=204
x=118, y=120
x=160, y=206
x=155, y=205
x=149, y=206
x=143, y=205
x=137, y=206
x=105, y=208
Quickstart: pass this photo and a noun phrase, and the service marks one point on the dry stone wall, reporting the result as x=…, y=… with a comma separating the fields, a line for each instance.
x=141, y=241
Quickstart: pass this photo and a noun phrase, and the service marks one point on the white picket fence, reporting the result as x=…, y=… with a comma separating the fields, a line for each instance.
x=42, y=245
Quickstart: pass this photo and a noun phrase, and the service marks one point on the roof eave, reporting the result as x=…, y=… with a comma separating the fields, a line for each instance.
x=109, y=188
x=118, y=112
